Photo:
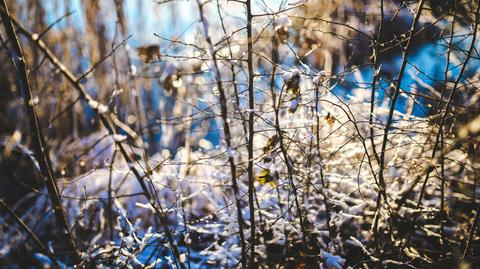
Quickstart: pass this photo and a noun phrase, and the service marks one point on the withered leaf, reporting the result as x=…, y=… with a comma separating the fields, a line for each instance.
x=271, y=143
x=330, y=119
x=282, y=33
x=149, y=53
x=293, y=85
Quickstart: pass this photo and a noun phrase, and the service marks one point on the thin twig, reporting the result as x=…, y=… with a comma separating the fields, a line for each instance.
x=37, y=241
x=472, y=231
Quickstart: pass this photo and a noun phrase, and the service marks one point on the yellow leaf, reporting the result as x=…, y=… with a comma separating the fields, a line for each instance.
x=265, y=177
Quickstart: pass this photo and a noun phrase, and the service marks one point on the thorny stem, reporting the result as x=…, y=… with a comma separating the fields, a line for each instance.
x=394, y=100
x=442, y=192
x=110, y=195
x=275, y=59
x=381, y=179
x=442, y=143
x=376, y=74
x=251, y=106
x=331, y=231
x=290, y=170
x=226, y=130
x=234, y=75
x=472, y=231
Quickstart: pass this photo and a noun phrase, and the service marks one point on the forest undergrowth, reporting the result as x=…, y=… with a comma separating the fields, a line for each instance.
x=282, y=134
